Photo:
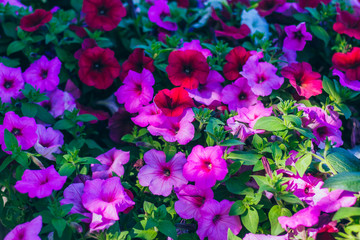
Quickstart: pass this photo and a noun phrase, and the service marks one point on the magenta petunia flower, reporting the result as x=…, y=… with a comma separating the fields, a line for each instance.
x=158, y=12
x=106, y=197
x=346, y=82
x=23, y=128
x=40, y=183
x=239, y=129
x=204, y=166
x=261, y=76
x=191, y=200
x=210, y=92
x=238, y=95
x=99, y=223
x=28, y=230
x=149, y=114
x=174, y=129
x=11, y=81
x=59, y=102
x=111, y=161
x=251, y=114
x=43, y=74
x=161, y=176
x=306, y=217
x=137, y=90
x=215, y=220
x=332, y=201
x=195, y=45
x=49, y=141
x=296, y=37
x=252, y=236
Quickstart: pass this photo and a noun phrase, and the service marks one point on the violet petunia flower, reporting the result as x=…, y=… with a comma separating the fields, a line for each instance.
x=306, y=217
x=251, y=114
x=44, y=74
x=49, y=141
x=149, y=114
x=40, y=183
x=58, y=103
x=23, y=128
x=239, y=129
x=28, y=230
x=261, y=76
x=99, y=223
x=215, y=220
x=252, y=236
x=11, y=81
x=346, y=82
x=205, y=166
x=111, y=161
x=158, y=12
x=162, y=176
x=106, y=197
x=296, y=37
x=195, y=45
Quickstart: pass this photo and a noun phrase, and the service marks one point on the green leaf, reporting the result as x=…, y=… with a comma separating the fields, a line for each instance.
x=329, y=88
x=346, y=212
x=11, y=142
x=59, y=225
x=63, y=124
x=250, y=219
x=231, y=236
x=168, y=229
x=320, y=33
x=10, y=29
x=89, y=160
x=43, y=115
x=258, y=142
x=294, y=119
x=15, y=46
x=303, y=163
x=346, y=181
x=248, y=157
x=231, y=142
x=149, y=207
x=271, y=124
x=305, y=132
x=290, y=198
x=67, y=169
x=22, y=159
x=342, y=160
x=86, y=118
x=301, y=17
x=236, y=186
x=237, y=208
x=274, y=213
x=344, y=109
x=29, y=109
x=5, y=163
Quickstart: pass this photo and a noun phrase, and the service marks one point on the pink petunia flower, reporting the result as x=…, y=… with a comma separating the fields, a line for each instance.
x=158, y=12
x=215, y=220
x=239, y=129
x=11, y=81
x=111, y=161
x=49, y=141
x=28, y=230
x=296, y=37
x=149, y=114
x=162, y=176
x=43, y=74
x=346, y=82
x=204, y=166
x=261, y=76
x=40, y=183
x=137, y=90
x=191, y=200
x=59, y=102
x=251, y=114
x=99, y=223
x=306, y=217
x=195, y=45
x=106, y=197
x=252, y=236
x=23, y=128
x=238, y=95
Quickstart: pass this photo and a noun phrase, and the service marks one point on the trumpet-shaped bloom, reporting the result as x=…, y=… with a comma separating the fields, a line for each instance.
x=296, y=37
x=59, y=102
x=236, y=59
x=347, y=23
x=195, y=45
x=158, y=12
x=149, y=114
x=34, y=21
x=349, y=63
x=40, y=183
x=251, y=114
x=49, y=141
x=11, y=81
x=137, y=61
x=344, y=81
x=306, y=217
x=162, y=176
x=28, y=230
x=111, y=161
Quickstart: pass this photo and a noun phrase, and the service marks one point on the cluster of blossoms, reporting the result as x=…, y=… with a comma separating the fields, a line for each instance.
x=180, y=119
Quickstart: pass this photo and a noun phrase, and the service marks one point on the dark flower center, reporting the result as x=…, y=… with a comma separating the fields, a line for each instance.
x=242, y=96
x=187, y=70
x=298, y=35
x=107, y=197
x=208, y=164
x=199, y=200
x=16, y=132
x=47, y=105
x=8, y=84
x=322, y=131
x=44, y=73
x=216, y=218
x=139, y=66
x=298, y=80
x=307, y=189
x=261, y=79
x=102, y=10
x=97, y=66
x=166, y=172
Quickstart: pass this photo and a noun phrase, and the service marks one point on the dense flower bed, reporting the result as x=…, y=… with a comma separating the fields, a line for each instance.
x=187, y=119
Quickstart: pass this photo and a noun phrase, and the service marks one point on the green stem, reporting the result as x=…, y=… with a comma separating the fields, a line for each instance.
x=332, y=170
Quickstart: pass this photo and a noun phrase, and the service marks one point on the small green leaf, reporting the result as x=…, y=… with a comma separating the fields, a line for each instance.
x=305, y=132
x=346, y=181
x=250, y=219
x=231, y=236
x=67, y=169
x=303, y=163
x=231, y=142
x=5, y=163
x=29, y=109
x=43, y=115
x=342, y=160
x=237, y=208
x=346, y=212
x=59, y=225
x=320, y=33
x=10, y=140
x=86, y=118
x=271, y=124
x=248, y=157
x=274, y=213
x=167, y=228
x=63, y=124
x=15, y=46
x=294, y=119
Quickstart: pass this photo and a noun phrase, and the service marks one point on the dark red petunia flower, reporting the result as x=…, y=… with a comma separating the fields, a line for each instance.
x=306, y=82
x=347, y=23
x=236, y=59
x=137, y=61
x=86, y=44
x=183, y=3
x=173, y=102
x=312, y=3
x=187, y=68
x=79, y=31
x=98, y=67
x=32, y=22
x=349, y=63
x=266, y=7
x=103, y=14
x=120, y=124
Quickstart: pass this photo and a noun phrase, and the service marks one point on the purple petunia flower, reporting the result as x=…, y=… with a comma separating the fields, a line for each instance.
x=99, y=223
x=28, y=230
x=195, y=45
x=252, y=236
x=149, y=114
x=49, y=141
x=43, y=74
x=40, y=183
x=306, y=217
x=111, y=161
x=346, y=82
x=296, y=37
x=251, y=114
x=11, y=81
x=59, y=102
x=162, y=176
x=158, y=12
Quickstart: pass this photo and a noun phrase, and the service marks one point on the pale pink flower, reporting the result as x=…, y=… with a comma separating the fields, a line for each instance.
x=251, y=114
x=49, y=141
x=111, y=161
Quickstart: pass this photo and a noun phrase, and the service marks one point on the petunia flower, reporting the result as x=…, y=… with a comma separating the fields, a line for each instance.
x=23, y=128
x=195, y=45
x=347, y=23
x=49, y=141
x=306, y=217
x=251, y=114
x=215, y=221
x=40, y=183
x=120, y=124
x=158, y=12
x=252, y=236
x=106, y=197
x=238, y=129
x=86, y=44
x=28, y=230
x=137, y=61
x=149, y=114
x=11, y=81
x=161, y=176
x=191, y=200
x=98, y=67
x=236, y=59
x=16, y=3
x=306, y=82
x=137, y=90
x=230, y=31
x=238, y=95
x=296, y=37
x=104, y=15
x=173, y=102
x=187, y=68
x=344, y=81
x=349, y=63
x=111, y=161
x=34, y=21
x=44, y=74
x=205, y=166
x=266, y=7
x=99, y=223
x=256, y=23
x=59, y=102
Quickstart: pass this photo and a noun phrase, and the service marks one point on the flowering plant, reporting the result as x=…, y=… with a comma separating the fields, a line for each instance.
x=179, y=119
